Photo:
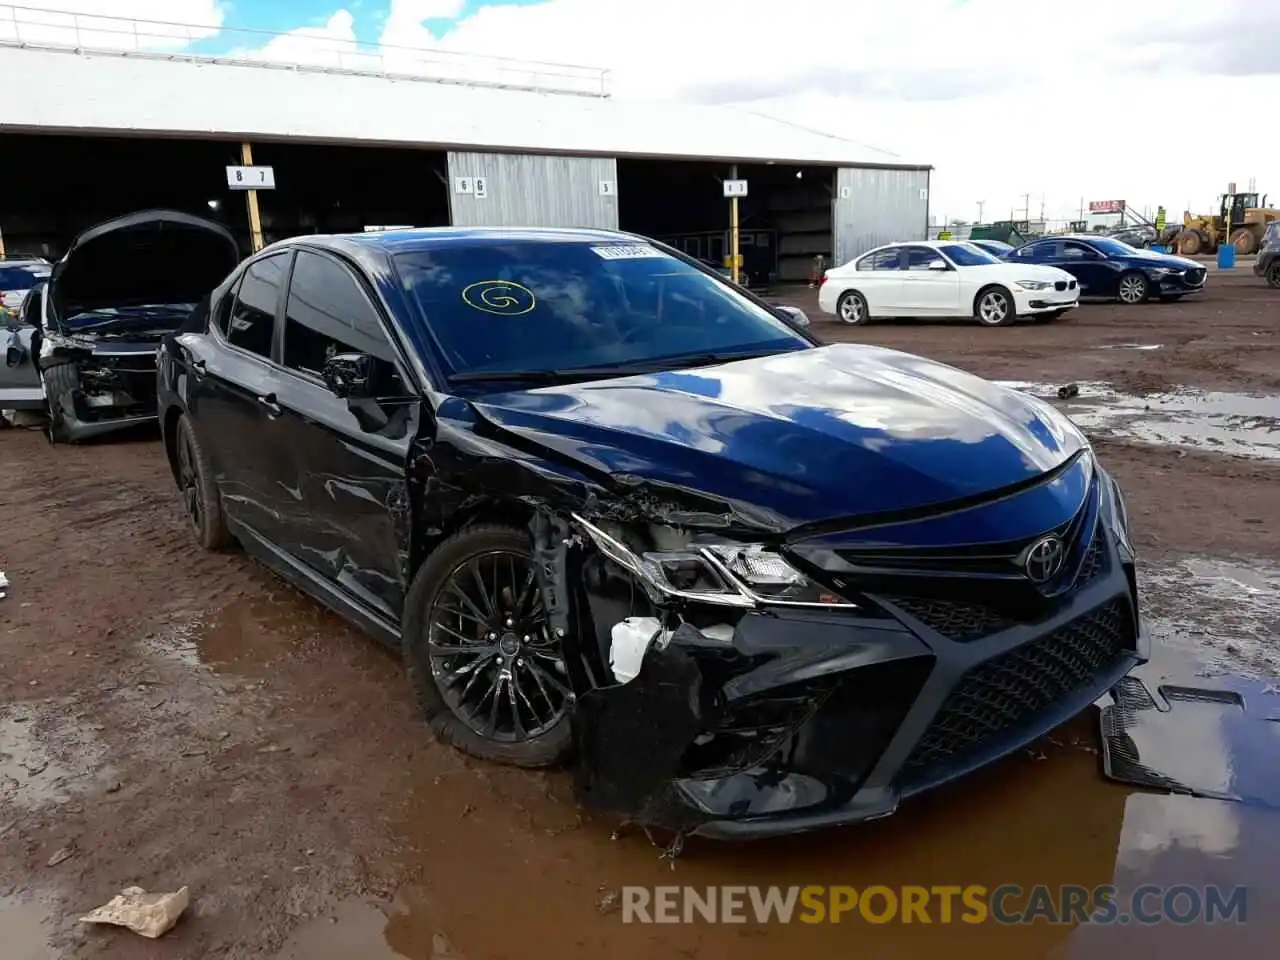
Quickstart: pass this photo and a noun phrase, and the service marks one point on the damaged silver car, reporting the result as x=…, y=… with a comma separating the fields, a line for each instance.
x=120, y=287
x=613, y=508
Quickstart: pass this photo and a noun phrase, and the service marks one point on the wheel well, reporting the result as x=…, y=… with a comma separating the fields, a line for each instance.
x=169, y=436
x=497, y=510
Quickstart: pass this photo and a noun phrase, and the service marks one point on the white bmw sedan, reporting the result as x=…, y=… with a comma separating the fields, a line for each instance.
x=945, y=278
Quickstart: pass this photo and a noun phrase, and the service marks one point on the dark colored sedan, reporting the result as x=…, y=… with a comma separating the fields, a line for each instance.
x=1108, y=268
x=1268, y=263
x=609, y=505
x=997, y=248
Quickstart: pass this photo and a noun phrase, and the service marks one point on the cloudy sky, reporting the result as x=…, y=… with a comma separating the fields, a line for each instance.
x=1153, y=101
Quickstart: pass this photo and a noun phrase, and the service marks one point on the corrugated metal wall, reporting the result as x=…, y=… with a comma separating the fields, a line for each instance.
x=515, y=190
x=872, y=207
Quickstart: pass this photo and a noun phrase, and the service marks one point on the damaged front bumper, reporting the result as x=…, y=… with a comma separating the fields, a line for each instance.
x=99, y=390
x=794, y=718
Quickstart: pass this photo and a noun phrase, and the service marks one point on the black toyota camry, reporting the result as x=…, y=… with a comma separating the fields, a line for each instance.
x=611, y=506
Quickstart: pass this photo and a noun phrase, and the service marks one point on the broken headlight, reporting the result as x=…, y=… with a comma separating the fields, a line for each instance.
x=717, y=573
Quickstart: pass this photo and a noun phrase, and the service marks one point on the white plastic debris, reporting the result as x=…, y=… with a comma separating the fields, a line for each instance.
x=148, y=914
x=4, y=585
x=630, y=638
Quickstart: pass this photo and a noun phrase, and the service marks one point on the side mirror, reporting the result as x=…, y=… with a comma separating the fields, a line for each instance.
x=794, y=314
x=347, y=375
x=938, y=264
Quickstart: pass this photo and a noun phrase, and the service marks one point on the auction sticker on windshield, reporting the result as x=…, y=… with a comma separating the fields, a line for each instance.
x=631, y=251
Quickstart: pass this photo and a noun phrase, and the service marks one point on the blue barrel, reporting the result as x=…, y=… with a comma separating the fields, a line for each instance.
x=1226, y=257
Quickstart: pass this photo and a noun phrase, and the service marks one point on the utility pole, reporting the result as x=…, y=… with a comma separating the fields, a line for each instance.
x=981, y=204
x=1026, y=206
x=734, y=270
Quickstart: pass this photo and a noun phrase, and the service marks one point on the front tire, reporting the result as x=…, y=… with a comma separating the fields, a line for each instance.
x=199, y=490
x=1134, y=288
x=488, y=672
x=1273, y=275
x=994, y=307
x=851, y=308
x=60, y=381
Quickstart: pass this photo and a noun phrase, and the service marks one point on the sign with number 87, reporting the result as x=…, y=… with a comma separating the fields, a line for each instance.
x=251, y=178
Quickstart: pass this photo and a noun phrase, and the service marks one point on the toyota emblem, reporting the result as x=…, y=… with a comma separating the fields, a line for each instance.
x=1044, y=559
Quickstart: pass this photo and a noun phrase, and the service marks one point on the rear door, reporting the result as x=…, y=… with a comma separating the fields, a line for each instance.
x=351, y=521
x=926, y=292
x=232, y=399
x=877, y=276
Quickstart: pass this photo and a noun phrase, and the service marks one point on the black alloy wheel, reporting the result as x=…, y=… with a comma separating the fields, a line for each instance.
x=489, y=671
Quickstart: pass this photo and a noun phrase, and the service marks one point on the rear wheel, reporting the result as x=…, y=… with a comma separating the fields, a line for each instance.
x=199, y=491
x=851, y=308
x=487, y=669
x=1134, y=288
x=1273, y=274
x=993, y=307
x=1188, y=243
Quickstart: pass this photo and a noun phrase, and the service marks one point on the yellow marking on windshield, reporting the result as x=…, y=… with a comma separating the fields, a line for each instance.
x=503, y=298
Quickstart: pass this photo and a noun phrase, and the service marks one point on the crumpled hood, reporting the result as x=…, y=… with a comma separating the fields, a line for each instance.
x=149, y=257
x=834, y=432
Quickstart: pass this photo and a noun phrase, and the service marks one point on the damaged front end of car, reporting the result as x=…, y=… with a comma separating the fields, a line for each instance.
x=759, y=683
x=119, y=289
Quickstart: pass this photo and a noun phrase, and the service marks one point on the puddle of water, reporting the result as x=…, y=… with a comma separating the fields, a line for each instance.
x=1221, y=614
x=1230, y=423
x=31, y=776
x=245, y=635
x=1132, y=346
x=22, y=931
x=356, y=928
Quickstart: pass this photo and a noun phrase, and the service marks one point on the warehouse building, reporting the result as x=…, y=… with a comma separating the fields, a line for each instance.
x=90, y=132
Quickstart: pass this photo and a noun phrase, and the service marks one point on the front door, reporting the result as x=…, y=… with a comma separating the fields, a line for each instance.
x=1092, y=269
x=353, y=520
x=927, y=292
x=232, y=399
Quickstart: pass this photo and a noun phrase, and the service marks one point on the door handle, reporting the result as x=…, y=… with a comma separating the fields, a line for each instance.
x=269, y=401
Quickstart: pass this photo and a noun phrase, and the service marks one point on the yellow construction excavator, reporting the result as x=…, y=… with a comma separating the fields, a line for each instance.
x=1241, y=220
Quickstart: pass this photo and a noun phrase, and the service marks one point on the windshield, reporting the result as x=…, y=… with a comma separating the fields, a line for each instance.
x=967, y=255
x=22, y=276
x=506, y=307
x=1112, y=247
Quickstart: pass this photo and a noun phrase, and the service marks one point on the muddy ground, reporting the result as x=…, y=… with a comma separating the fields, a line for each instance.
x=171, y=718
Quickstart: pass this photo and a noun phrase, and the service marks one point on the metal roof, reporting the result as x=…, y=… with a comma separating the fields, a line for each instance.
x=57, y=88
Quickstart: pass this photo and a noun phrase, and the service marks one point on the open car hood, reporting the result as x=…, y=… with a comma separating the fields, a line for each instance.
x=148, y=257
x=834, y=432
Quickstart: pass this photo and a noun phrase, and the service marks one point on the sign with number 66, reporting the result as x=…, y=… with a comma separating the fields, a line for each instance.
x=251, y=178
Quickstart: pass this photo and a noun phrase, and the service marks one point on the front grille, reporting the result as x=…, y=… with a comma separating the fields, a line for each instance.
x=1008, y=691
x=1060, y=285
x=1196, y=276
x=1071, y=284
x=1095, y=560
x=954, y=619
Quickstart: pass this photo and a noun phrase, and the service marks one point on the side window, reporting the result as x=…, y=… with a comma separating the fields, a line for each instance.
x=328, y=313
x=919, y=258
x=1076, y=251
x=253, y=315
x=1031, y=252
x=220, y=316
x=886, y=259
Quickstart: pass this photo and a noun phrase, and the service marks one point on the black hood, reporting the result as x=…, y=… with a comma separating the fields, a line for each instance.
x=149, y=257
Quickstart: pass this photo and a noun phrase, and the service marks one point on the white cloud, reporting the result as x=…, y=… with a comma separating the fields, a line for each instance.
x=1093, y=99
x=112, y=24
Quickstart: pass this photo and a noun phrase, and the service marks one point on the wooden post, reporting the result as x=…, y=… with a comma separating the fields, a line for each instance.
x=255, y=221
x=733, y=228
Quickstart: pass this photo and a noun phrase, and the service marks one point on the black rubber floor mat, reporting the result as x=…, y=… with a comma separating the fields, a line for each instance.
x=1220, y=740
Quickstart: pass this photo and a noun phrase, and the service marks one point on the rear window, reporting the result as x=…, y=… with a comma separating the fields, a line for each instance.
x=521, y=306
x=967, y=255
x=22, y=276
